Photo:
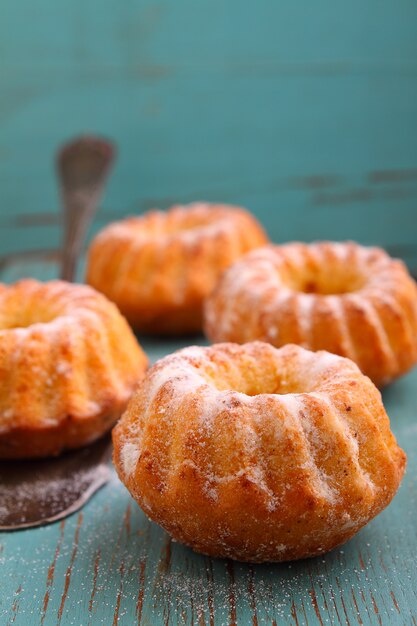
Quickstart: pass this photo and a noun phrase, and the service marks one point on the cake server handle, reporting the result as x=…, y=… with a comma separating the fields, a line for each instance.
x=83, y=166
x=37, y=492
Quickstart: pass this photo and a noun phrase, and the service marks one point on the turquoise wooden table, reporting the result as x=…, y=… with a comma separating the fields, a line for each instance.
x=306, y=113
x=108, y=564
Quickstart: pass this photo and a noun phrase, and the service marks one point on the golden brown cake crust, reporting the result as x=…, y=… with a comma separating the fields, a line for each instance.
x=258, y=454
x=68, y=365
x=160, y=266
x=342, y=297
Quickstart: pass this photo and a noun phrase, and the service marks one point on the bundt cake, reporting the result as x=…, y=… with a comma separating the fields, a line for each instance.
x=257, y=453
x=342, y=297
x=68, y=365
x=159, y=267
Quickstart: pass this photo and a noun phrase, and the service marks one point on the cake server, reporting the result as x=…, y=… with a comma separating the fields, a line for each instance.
x=37, y=492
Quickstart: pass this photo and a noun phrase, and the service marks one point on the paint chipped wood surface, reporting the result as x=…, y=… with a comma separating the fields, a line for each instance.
x=108, y=564
x=303, y=112
x=306, y=114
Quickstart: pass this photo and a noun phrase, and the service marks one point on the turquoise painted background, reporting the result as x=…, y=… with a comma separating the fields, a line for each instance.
x=305, y=112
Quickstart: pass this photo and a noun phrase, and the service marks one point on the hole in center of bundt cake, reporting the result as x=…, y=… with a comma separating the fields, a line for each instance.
x=327, y=281
x=279, y=386
x=269, y=381
x=158, y=224
x=185, y=226
x=25, y=316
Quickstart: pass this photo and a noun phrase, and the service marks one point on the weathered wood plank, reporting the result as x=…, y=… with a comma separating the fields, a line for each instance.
x=311, y=127
x=109, y=564
x=306, y=114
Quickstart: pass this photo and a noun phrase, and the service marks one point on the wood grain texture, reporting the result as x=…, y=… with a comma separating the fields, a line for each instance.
x=110, y=565
x=304, y=113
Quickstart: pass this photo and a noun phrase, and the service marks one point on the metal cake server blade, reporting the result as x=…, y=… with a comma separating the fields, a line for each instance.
x=36, y=492
x=42, y=491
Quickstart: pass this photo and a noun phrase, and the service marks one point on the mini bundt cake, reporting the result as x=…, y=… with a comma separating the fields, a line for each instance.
x=257, y=453
x=159, y=267
x=68, y=365
x=351, y=300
